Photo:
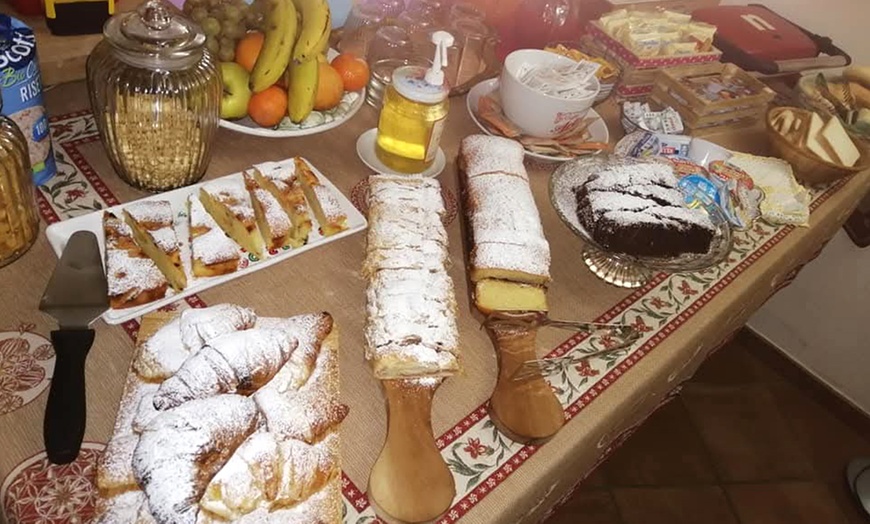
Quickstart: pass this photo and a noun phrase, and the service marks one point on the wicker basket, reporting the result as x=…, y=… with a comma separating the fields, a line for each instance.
x=808, y=168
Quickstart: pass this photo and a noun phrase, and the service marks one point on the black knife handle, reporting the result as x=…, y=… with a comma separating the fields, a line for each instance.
x=64, y=426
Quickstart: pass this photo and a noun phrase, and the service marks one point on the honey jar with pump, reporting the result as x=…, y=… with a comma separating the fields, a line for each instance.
x=414, y=113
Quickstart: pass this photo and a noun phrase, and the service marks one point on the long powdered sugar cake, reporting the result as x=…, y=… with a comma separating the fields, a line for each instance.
x=509, y=241
x=410, y=304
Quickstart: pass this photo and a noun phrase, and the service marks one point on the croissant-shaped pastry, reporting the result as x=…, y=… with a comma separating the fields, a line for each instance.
x=239, y=362
x=324, y=507
x=309, y=330
x=182, y=449
x=306, y=468
x=200, y=325
x=162, y=354
x=312, y=410
x=252, y=475
x=127, y=508
x=145, y=412
x=115, y=469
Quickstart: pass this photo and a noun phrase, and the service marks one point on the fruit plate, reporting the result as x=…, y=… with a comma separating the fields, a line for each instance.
x=317, y=121
x=59, y=233
x=598, y=130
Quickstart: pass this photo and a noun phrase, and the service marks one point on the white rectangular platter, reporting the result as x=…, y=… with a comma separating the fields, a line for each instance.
x=59, y=233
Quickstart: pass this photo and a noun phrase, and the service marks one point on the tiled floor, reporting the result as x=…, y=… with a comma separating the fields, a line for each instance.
x=751, y=440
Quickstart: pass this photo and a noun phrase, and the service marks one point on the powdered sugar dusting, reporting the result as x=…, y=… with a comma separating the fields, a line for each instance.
x=158, y=212
x=231, y=192
x=237, y=361
x=410, y=307
x=199, y=325
x=213, y=246
x=130, y=274
x=170, y=459
x=332, y=210
x=506, y=226
x=162, y=354
x=273, y=213
x=483, y=154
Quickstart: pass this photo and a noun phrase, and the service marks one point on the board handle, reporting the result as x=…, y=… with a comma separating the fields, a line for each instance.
x=410, y=482
x=525, y=410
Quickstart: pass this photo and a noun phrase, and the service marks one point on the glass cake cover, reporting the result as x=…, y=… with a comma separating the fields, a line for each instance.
x=623, y=269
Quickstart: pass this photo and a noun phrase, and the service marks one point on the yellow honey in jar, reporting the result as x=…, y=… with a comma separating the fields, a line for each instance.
x=414, y=113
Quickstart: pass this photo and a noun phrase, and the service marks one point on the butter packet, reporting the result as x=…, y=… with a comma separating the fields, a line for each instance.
x=680, y=48
x=786, y=202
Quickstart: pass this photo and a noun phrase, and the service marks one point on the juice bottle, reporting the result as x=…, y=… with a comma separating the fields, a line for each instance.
x=414, y=113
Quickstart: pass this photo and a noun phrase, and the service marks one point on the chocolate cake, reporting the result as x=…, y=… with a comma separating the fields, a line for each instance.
x=638, y=210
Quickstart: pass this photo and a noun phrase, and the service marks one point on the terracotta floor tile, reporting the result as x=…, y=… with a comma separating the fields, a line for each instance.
x=748, y=438
x=829, y=441
x=695, y=505
x=588, y=507
x=847, y=503
x=785, y=503
x=734, y=364
x=665, y=451
x=595, y=480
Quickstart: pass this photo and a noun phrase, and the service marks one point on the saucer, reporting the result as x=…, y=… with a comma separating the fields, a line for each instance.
x=597, y=130
x=365, y=148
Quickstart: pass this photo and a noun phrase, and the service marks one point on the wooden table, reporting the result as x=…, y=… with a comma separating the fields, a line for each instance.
x=684, y=318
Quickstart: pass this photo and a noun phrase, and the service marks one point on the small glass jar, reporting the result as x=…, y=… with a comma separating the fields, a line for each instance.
x=155, y=93
x=19, y=221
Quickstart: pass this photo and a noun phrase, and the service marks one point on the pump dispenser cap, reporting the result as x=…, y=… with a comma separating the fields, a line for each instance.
x=435, y=74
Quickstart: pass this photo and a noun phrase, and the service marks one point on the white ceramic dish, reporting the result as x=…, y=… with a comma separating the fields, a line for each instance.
x=539, y=114
x=59, y=233
x=355, y=100
x=365, y=148
x=598, y=130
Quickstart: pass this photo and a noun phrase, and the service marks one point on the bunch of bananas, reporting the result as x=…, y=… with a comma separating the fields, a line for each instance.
x=297, y=34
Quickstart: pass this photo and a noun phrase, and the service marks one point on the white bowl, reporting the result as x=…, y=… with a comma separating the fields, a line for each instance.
x=535, y=113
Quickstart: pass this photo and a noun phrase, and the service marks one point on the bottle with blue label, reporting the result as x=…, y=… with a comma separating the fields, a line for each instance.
x=21, y=88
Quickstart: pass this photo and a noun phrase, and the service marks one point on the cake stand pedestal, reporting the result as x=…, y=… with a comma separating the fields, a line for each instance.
x=614, y=269
x=410, y=482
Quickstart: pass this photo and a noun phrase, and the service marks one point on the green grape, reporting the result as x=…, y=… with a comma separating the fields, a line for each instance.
x=211, y=26
x=212, y=4
x=227, y=43
x=212, y=44
x=226, y=54
x=252, y=19
x=232, y=13
x=198, y=14
x=231, y=29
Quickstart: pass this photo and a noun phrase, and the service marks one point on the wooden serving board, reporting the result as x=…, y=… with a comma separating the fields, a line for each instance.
x=410, y=482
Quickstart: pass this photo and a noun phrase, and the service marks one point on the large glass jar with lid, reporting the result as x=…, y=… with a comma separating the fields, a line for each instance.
x=155, y=93
x=19, y=222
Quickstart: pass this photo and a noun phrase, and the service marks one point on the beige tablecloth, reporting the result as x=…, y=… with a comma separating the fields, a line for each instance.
x=684, y=317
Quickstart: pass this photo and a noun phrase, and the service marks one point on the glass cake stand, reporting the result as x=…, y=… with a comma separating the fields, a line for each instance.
x=621, y=269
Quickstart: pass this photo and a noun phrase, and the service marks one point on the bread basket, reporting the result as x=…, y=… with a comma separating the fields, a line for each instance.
x=808, y=168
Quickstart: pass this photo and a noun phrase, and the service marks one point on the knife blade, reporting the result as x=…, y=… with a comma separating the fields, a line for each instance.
x=75, y=296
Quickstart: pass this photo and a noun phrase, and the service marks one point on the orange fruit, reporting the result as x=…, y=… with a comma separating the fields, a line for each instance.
x=248, y=49
x=354, y=71
x=330, y=88
x=268, y=107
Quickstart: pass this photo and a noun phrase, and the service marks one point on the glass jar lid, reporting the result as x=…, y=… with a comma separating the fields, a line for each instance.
x=410, y=82
x=155, y=36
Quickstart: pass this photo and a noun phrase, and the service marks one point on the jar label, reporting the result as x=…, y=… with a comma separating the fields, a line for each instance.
x=434, y=139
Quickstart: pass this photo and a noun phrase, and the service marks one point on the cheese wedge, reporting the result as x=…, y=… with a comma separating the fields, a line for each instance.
x=814, y=144
x=500, y=295
x=835, y=138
